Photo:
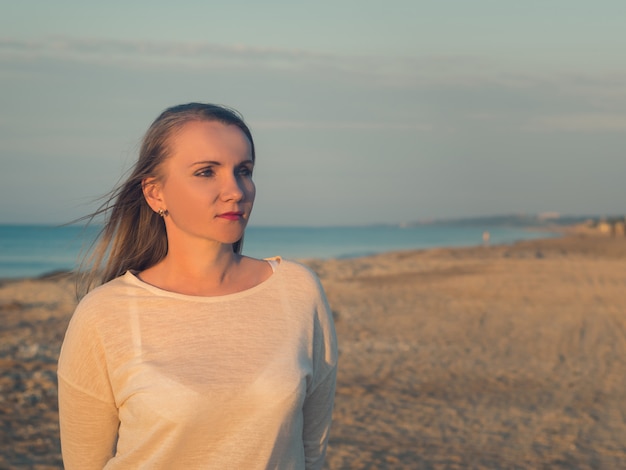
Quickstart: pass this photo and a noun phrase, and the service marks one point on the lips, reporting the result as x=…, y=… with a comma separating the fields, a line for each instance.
x=231, y=215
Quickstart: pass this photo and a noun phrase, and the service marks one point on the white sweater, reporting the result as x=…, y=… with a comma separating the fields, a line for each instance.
x=158, y=380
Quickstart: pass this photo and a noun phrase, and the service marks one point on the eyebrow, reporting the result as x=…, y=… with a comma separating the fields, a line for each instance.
x=214, y=163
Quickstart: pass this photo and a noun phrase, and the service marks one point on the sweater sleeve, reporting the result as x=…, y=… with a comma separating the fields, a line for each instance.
x=88, y=428
x=87, y=412
x=318, y=405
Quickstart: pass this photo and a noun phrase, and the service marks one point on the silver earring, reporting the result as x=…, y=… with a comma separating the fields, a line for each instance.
x=162, y=212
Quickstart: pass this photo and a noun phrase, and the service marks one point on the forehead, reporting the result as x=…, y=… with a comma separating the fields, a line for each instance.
x=210, y=139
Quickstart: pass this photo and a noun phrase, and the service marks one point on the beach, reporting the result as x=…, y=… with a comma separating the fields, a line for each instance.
x=489, y=357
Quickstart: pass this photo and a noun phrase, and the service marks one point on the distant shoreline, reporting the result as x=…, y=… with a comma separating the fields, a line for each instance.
x=58, y=274
x=507, y=220
x=40, y=251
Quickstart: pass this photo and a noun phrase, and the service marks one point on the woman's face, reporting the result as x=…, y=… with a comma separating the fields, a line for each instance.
x=206, y=183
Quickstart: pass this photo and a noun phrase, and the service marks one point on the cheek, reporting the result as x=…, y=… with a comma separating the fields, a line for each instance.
x=251, y=191
x=187, y=197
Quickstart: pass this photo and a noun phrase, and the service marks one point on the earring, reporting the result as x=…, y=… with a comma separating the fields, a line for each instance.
x=162, y=212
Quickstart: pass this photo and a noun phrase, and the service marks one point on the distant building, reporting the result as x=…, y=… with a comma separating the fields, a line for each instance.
x=605, y=227
x=613, y=226
x=549, y=216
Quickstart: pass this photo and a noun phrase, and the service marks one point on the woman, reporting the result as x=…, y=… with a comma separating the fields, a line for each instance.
x=191, y=355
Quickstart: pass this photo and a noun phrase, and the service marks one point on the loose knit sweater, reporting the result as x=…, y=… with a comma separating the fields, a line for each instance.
x=151, y=379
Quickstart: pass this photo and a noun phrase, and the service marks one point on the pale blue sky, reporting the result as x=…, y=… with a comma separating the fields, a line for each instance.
x=363, y=112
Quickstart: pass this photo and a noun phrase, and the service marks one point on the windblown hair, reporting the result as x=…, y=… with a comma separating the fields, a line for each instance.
x=133, y=236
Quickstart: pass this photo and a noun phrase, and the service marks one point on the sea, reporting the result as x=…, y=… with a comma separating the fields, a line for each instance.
x=38, y=250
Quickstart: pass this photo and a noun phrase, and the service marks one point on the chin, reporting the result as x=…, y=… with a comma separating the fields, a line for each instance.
x=231, y=239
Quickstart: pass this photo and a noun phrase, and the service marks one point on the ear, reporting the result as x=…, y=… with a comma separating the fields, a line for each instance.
x=151, y=188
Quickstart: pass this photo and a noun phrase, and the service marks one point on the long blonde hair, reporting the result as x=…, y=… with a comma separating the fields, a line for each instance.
x=133, y=236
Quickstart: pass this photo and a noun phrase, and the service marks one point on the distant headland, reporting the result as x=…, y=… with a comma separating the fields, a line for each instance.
x=610, y=225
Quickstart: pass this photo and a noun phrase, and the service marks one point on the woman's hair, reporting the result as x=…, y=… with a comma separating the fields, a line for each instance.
x=133, y=236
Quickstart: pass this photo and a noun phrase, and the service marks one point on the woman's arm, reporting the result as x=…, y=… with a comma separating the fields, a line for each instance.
x=88, y=429
x=319, y=402
x=318, y=410
x=88, y=414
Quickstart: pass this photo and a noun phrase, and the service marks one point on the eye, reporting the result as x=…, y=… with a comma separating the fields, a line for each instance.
x=245, y=170
x=206, y=172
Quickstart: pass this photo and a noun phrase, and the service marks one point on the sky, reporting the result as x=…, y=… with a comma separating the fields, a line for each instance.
x=362, y=111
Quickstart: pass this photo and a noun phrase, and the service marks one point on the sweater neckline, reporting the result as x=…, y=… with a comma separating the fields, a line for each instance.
x=131, y=277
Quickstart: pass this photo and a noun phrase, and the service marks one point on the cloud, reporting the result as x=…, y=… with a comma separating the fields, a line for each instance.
x=343, y=125
x=112, y=50
x=584, y=122
x=442, y=70
x=419, y=93
x=394, y=70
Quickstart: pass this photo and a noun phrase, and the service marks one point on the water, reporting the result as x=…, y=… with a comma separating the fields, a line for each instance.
x=31, y=250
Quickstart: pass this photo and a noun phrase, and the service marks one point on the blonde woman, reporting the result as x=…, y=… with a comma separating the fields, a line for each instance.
x=191, y=355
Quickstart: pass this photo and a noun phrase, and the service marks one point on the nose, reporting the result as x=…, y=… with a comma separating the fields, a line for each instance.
x=232, y=189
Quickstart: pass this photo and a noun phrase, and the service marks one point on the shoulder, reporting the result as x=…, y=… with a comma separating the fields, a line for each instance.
x=299, y=283
x=102, y=299
x=296, y=272
x=109, y=289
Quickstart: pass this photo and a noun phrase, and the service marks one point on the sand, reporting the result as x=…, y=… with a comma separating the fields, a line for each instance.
x=484, y=357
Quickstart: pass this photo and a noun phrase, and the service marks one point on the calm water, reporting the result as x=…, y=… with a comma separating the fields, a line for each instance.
x=31, y=250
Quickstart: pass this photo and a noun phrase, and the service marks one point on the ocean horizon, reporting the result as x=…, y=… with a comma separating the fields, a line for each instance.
x=37, y=250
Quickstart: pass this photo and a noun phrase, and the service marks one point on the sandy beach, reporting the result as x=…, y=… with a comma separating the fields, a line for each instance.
x=484, y=357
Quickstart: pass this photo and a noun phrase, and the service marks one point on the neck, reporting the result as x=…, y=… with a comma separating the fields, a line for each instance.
x=195, y=265
x=207, y=264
